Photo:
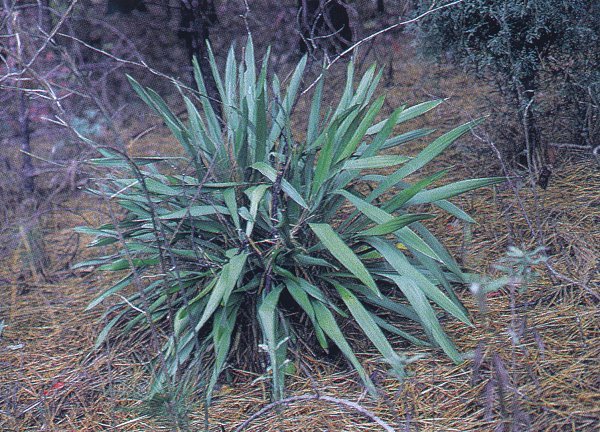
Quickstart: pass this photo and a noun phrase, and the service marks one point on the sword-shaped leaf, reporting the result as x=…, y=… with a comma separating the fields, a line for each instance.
x=330, y=327
x=341, y=252
x=407, y=114
x=271, y=174
x=404, y=268
x=425, y=156
x=276, y=347
x=394, y=224
x=453, y=189
x=228, y=279
x=374, y=162
x=371, y=330
x=223, y=326
x=427, y=315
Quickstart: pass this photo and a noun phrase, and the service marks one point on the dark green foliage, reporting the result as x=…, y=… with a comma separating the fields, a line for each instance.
x=243, y=250
x=528, y=48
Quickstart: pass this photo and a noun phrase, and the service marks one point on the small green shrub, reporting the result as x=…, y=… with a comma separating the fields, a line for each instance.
x=266, y=236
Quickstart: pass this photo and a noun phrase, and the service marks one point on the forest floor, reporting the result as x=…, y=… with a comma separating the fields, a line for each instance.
x=535, y=353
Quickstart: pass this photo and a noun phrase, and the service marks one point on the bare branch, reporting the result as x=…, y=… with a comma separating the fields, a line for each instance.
x=373, y=36
x=336, y=401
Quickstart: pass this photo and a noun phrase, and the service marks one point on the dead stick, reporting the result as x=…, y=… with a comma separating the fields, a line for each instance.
x=342, y=402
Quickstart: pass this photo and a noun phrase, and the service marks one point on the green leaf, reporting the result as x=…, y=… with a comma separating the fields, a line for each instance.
x=285, y=107
x=440, y=250
x=403, y=267
x=315, y=111
x=330, y=327
x=359, y=133
x=303, y=301
x=453, y=189
x=196, y=211
x=384, y=302
x=227, y=280
x=323, y=168
x=427, y=315
x=395, y=330
x=408, y=114
x=92, y=262
x=361, y=94
x=223, y=326
x=212, y=120
x=307, y=260
x=394, y=224
x=379, y=141
x=455, y=211
x=404, y=196
x=424, y=157
x=377, y=215
x=372, y=330
x=374, y=162
x=158, y=188
x=256, y=194
x=199, y=135
x=406, y=137
x=348, y=90
x=260, y=146
x=271, y=174
x=268, y=321
x=231, y=203
x=340, y=250
x=126, y=281
x=107, y=328
x=122, y=264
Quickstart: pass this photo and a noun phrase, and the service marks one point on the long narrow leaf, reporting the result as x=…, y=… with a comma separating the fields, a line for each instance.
x=330, y=327
x=228, y=279
x=372, y=330
x=408, y=114
x=374, y=162
x=424, y=157
x=340, y=250
x=223, y=326
x=271, y=174
x=422, y=307
x=453, y=189
x=269, y=323
x=401, y=265
x=394, y=224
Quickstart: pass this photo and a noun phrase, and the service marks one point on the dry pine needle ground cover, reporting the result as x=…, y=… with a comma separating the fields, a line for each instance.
x=51, y=380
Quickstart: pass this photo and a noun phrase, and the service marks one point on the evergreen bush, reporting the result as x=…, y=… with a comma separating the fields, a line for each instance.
x=542, y=56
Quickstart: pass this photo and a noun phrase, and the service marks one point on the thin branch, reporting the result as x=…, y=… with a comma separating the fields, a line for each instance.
x=140, y=63
x=52, y=34
x=374, y=35
x=336, y=401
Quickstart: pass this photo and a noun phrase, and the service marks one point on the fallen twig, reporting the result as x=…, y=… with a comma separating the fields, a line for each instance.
x=336, y=401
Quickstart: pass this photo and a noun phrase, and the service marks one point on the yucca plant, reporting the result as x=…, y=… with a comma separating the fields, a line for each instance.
x=263, y=231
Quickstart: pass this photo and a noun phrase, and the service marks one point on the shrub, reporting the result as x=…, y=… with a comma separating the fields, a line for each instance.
x=528, y=50
x=264, y=236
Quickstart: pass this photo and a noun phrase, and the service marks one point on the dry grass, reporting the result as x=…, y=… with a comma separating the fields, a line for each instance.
x=51, y=380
